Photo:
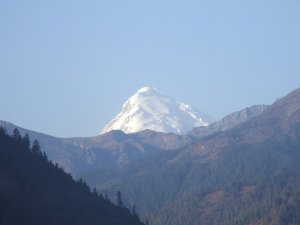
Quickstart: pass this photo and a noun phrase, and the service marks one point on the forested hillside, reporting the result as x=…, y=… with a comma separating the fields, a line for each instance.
x=34, y=191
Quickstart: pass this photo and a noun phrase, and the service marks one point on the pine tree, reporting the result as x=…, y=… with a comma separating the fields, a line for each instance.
x=16, y=135
x=119, y=199
x=45, y=156
x=106, y=196
x=26, y=141
x=36, y=149
x=3, y=131
x=134, y=211
x=95, y=192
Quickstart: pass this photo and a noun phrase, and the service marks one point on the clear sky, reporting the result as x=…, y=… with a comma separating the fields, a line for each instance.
x=67, y=66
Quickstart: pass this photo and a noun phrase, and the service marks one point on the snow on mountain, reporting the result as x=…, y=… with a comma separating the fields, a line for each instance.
x=153, y=110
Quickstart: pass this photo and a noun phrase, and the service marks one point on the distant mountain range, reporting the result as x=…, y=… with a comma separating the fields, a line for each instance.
x=118, y=149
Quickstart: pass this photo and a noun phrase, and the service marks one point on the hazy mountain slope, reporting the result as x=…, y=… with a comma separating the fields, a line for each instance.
x=246, y=175
x=150, y=109
x=229, y=121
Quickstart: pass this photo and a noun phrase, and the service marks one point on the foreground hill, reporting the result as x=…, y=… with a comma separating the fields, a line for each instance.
x=249, y=174
x=34, y=191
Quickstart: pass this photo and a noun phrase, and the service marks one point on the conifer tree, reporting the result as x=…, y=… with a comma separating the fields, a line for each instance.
x=16, y=135
x=3, y=131
x=36, y=147
x=134, y=211
x=106, y=196
x=119, y=199
x=26, y=141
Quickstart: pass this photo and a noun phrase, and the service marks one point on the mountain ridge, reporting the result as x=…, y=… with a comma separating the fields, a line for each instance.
x=78, y=155
x=229, y=121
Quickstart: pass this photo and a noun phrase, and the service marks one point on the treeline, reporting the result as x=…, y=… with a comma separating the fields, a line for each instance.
x=35, y=191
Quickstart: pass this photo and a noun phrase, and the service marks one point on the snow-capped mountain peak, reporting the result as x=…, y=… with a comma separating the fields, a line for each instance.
x=147, y=90
x=150, y=109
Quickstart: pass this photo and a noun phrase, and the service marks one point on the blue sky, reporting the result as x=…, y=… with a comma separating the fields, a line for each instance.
x=67, y=66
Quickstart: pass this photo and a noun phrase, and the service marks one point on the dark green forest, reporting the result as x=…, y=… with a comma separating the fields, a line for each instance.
x=35, y=191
